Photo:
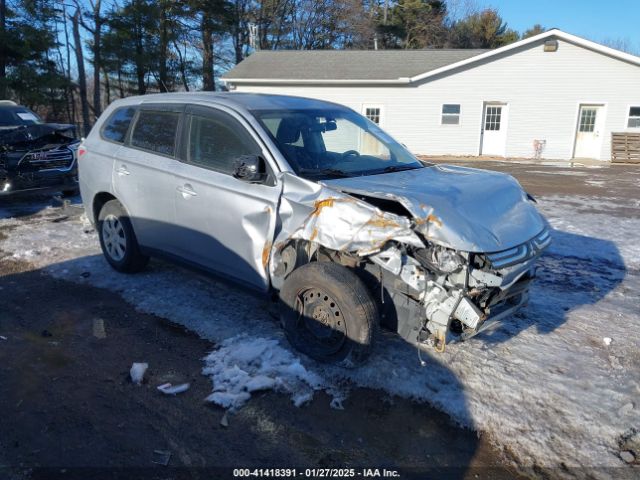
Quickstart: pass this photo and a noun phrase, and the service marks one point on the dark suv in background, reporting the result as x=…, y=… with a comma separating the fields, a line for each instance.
x=36, y=156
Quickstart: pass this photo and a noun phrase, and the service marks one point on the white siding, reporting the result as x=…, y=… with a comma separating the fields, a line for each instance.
x=543, y=90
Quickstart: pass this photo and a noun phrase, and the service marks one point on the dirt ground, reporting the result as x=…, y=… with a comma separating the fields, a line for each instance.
x=69, y=409
x=551, y=178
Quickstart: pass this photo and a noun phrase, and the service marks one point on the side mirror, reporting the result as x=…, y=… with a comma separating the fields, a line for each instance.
x=250, y=169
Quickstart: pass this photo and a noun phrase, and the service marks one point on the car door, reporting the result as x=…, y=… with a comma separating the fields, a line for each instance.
x=227, y=224
x=143, y=175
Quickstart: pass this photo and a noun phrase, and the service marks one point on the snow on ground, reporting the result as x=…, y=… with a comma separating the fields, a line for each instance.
x=545, y=385
x=245, y=365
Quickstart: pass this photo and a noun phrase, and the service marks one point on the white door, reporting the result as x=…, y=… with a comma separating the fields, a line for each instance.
x=589, y=132
x=494, y=129
x=368, y=144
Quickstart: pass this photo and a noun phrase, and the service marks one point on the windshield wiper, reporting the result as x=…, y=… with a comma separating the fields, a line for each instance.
x=325, y=171
x=399, y=168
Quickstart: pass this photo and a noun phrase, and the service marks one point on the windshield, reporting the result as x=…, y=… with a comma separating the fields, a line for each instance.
x=17, y=116
x=334, y=143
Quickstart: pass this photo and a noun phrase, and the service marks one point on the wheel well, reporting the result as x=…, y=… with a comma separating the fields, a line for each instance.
x=98, y=202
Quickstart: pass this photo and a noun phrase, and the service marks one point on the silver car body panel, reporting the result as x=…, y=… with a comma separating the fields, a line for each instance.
x=465, y=209
x=316, y=213
x=143, y=182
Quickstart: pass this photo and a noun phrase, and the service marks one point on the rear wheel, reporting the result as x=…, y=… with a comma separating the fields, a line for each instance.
x=118, y=240
x=329, y=314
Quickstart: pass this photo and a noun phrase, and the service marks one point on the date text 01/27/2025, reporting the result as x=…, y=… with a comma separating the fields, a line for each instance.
x=315, y=473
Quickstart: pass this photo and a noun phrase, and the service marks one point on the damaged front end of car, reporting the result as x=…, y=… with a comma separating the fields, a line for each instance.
x=36, y=157
x=419, y=241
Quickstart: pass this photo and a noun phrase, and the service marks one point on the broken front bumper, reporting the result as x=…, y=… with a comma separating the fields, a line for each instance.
x=489, y=288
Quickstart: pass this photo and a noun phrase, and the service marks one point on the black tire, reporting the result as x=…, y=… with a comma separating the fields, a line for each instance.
x=329, y=314
x=118, y=240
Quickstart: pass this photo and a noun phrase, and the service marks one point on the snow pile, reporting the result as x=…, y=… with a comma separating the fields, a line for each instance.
x=243, y=365
x=48, y=237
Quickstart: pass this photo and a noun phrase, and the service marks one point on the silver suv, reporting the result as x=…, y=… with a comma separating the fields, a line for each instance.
x=313, y=202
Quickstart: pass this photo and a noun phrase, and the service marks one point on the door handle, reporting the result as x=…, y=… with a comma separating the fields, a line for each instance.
x=122, y=171
x=187, y=191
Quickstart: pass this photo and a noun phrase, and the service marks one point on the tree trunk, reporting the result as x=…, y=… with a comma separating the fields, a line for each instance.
x=67, y=44
x=120, y=85
x=238, y=49
x=140, y=73
x=183, y=71
x=238, y=26
x=3, y=51
x=97, y=58
x=208, y=82
x=139, y=41
x=107, y=85
x=82, y=79
x=164, y=46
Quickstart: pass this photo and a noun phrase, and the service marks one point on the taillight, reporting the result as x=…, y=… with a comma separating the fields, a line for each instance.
x=81, y=151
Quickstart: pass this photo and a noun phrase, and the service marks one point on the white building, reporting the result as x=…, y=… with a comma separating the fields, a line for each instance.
x=554, y=95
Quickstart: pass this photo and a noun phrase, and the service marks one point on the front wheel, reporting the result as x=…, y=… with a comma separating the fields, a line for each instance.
x=328, y=314
x=117, y=239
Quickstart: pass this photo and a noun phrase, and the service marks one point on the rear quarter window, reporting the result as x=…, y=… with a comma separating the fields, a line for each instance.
x=117, y=126
x=156, y=131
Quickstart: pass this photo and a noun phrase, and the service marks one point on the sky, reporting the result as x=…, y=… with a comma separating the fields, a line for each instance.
x=596, y=20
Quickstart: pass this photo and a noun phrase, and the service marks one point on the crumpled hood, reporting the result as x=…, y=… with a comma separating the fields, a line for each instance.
x=29, y=137
x=463, y=208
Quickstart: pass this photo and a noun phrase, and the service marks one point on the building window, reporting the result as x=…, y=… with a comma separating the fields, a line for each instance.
x=588, y=120
x=450, y=114
x=374, y=114
x=493, y=118
x=634, y=117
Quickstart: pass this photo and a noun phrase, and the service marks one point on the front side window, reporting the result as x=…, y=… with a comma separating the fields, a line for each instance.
x=156, y=131
x=216, y=141
x=634, y=117
x=117, y=126
x=451, y=114
x=329, y=143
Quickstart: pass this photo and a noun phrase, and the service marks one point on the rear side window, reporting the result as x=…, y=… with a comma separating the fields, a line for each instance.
x=117, y=126
x=156, y=131
x=216, y=140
